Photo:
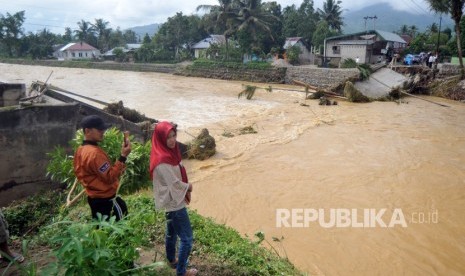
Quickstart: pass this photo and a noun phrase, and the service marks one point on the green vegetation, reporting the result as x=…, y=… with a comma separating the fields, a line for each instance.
x=79, y=246
x=136, y=175
x=251, y=27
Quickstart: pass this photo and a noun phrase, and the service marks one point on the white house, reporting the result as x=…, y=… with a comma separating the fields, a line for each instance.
x=200, y=48
x=368, y=46
x=77, y=50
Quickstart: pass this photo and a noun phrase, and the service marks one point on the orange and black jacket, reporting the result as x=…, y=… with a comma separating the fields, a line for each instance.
x=94, y=170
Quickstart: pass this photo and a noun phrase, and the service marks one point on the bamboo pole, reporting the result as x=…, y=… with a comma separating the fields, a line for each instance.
x=411, y=95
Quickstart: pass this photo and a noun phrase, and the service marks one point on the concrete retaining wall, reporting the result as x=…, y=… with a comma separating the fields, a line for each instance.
x=26, y=136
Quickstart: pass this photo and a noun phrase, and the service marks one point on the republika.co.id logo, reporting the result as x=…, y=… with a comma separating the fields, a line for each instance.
x=356, y=218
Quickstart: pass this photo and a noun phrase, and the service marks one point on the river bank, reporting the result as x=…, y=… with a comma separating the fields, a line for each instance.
x=380, y=155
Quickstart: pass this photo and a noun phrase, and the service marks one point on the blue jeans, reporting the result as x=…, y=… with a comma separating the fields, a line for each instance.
x=178, y=225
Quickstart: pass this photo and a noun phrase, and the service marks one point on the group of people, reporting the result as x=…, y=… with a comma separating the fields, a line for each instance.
x=172, y=190
x=100, y=178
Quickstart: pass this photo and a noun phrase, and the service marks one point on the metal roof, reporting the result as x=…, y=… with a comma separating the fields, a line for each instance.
x=212, y=39
x=388, y=36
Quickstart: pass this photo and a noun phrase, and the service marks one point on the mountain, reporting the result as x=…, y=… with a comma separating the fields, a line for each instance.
x=390, y=20
x=151, y=29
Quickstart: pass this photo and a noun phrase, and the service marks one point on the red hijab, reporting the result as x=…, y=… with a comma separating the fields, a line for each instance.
x=160, y=152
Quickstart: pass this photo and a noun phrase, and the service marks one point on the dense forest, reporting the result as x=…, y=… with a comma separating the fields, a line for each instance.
x=249, y=26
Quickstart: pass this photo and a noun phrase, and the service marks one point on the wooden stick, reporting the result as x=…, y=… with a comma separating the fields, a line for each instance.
x=71, y=202
x=305, y=84
x=411, y=95
x=326, y=93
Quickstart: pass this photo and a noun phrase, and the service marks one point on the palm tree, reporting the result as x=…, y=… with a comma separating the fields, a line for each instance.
x=222, y=15
x=433, y=28
x=455, y=9
x=413, y=31
x=404, y=29
x=252, y=17
x=85, y=32
x=331, y=13
x=103, y=33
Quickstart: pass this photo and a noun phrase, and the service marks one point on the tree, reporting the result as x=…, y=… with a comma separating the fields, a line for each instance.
x=300, y=22
x=413, y=31
x=252, y=18
x=433, y=28
x=403, y=29
x=85, y=33
x=223, y=15
x=10, y=31
x=103, y=34
x=455, y=9
x=130, y=36
x=331, y=13
x=40, y=45
x=178, y=34
x=68, y=36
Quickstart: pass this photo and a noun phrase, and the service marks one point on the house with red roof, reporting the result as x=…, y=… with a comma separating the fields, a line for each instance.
x=77, y=50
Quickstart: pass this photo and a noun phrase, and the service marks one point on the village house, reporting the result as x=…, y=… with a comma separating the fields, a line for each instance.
x=200, y=48
x=366, y=47
x=128, y=50
x=77, y=50
x=305, y=56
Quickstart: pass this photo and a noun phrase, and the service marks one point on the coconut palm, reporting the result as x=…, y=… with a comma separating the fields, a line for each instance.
x=413, y=31
x=251, y=17
x=223, y=15
x=404, y=29
x=85, y=33
x=455, y=9
x=103, y=33
x=331, y=13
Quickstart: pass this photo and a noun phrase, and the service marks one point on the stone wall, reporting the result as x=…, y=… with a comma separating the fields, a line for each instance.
x=273, y=75
x=26, y=136
x=139, y=67
x=320, y=77
x=447, y=69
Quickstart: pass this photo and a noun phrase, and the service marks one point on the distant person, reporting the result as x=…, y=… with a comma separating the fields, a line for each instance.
x=430, y=61
x=95, y=171
x=6, y=254
x=357, y=60
x=172, y=192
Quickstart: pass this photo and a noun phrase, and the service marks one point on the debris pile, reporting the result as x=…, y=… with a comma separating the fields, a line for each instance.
x=353, y=95
x=202, y=147
x=129, y=114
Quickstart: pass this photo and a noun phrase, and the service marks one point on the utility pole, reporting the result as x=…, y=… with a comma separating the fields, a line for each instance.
x=374, y=21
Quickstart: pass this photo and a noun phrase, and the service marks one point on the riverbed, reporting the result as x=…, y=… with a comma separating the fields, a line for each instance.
x=350, y=189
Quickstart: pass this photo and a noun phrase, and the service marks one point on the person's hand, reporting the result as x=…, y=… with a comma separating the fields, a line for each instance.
x=126, y=148
x=188, y=197
x=190, y=187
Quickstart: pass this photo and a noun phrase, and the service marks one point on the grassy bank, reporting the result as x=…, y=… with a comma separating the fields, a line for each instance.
x=88, y=64
x=70, y=241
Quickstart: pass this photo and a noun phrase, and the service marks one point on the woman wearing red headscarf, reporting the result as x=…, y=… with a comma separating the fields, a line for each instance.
x=172, y=193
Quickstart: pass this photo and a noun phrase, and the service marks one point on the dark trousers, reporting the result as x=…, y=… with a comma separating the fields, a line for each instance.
x=113, y=206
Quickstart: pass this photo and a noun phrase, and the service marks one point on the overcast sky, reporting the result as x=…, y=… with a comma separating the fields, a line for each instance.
x=55, y=15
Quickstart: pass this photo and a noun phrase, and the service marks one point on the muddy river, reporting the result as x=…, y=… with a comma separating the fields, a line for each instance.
x=352, y=189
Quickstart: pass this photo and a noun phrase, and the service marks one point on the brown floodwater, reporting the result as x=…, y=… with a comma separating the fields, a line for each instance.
x=406, y=159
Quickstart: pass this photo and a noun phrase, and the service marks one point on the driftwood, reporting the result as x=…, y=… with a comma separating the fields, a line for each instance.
x=411, y=95
x=325, y=92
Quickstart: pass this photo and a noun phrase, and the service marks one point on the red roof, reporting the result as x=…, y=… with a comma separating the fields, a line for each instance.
x=81, y=46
